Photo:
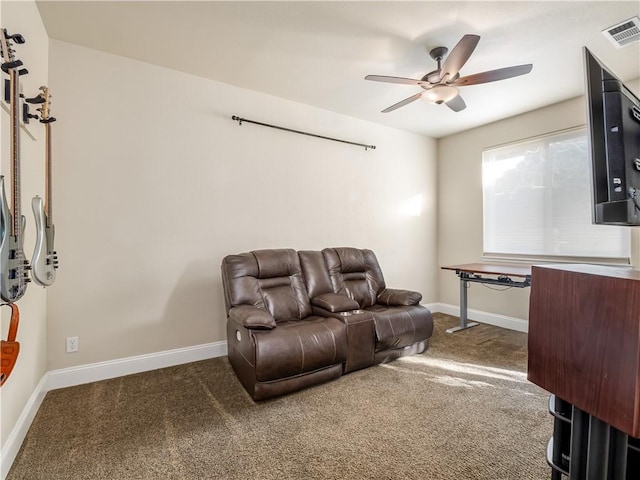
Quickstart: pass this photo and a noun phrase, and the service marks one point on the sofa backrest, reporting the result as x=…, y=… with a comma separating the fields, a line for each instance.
x=315, y=273
x=355, y=273
x=267, y=279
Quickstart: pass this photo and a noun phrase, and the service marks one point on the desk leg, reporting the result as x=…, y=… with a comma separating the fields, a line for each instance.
x=463, y=307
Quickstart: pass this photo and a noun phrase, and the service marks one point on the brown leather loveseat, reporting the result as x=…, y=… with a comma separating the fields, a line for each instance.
x=296, y=319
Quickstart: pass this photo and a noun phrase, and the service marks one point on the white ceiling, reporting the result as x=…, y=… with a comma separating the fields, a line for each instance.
x=318, y=53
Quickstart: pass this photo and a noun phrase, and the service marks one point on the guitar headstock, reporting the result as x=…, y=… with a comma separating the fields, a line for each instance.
x=8, y=58
x=44, y=100
x=44, y=108
x=5, y=51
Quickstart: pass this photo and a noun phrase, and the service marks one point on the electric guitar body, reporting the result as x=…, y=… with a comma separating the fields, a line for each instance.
x=45, y=259
x=14, y=277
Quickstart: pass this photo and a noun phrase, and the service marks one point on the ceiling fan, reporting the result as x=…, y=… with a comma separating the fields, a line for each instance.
x=441, y=85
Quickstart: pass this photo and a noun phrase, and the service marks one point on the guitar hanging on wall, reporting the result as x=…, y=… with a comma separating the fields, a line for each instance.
x=10, y=348
x=14, y=274
x=45, y=259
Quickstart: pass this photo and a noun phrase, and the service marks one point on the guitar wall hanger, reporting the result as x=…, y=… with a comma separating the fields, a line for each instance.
x=26, y=115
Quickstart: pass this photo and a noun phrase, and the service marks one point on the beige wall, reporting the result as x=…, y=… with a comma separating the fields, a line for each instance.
x=23, y=17
x=156, y=184
x=460, y=200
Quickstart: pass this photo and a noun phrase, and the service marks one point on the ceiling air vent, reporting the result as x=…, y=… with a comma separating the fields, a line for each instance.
x=623, y=33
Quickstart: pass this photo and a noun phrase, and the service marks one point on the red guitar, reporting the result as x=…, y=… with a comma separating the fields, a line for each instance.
x=9, y=348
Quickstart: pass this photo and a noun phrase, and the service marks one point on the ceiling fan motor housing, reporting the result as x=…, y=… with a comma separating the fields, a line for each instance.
x=438, y=53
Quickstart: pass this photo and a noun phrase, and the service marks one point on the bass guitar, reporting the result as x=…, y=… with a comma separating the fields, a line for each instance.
x=45, y=259
x=14, y=274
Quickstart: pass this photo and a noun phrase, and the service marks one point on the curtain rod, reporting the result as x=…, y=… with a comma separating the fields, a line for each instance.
x=240, y=120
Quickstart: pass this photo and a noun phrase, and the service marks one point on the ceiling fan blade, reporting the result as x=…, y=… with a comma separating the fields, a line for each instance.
x=383, y=78
x=459, y=56
x=456, y=104
x=404, y=102
x=493, y=75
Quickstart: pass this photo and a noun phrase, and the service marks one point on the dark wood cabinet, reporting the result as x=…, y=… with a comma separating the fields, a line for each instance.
x=584, y=347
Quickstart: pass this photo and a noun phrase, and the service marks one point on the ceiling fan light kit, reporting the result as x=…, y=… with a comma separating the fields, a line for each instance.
x=440, y=94
x=441, y=85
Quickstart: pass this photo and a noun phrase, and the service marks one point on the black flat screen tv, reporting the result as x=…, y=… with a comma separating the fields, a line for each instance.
x=613, y=123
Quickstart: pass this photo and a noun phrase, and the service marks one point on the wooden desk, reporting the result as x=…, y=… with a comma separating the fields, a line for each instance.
x=488, y=273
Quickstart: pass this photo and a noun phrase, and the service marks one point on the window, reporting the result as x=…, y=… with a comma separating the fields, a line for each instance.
x=537, y=202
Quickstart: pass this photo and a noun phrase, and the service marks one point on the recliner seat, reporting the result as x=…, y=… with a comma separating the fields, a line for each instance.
x=275, y=344
x=402, y=325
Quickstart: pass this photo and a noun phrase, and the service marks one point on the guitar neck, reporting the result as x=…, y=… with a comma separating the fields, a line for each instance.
x=14, y=96
x=48, y=175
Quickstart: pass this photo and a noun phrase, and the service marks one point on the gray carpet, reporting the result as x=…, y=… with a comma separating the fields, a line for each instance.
x=462, y=410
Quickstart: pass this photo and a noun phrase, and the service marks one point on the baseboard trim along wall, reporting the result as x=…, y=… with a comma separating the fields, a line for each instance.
x=16, y=437
x=503, y=321
x=68, y=377
x=94, y=372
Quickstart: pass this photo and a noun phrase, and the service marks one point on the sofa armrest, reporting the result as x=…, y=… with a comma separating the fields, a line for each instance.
x=392, y=296
x=334, y=302
x=252, y=317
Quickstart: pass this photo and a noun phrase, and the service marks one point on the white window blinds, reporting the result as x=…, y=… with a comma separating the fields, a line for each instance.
x=537, y=201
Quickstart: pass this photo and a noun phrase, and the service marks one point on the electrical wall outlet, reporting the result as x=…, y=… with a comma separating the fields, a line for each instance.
x=72, y=344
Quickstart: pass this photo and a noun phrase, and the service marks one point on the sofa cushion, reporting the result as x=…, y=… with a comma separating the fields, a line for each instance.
x=314, y=270
x=299, y=347
x=355, y=273
x=252, y=317
x=334, y=302
x=267, y=279
x=399, y=326
x=392, y=296
x=276, y=263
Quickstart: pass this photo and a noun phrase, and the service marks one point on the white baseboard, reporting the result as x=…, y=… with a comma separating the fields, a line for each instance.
x=503, y=321
x=94, y=372
x=16, y=437
x=68, y=377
